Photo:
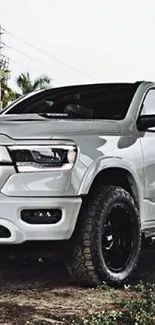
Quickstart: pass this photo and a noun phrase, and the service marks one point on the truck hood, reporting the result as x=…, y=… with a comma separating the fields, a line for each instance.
x=22, y=127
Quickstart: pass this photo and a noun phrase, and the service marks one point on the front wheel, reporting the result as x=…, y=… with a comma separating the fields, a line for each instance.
x=107, y=239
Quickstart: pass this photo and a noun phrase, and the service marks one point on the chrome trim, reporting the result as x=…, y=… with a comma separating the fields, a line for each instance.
x=28, y=147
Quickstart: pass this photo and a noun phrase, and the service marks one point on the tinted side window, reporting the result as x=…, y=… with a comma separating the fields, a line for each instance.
x=149, y=103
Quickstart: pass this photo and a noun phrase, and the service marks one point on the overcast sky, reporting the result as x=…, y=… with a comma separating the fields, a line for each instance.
x=108, y=40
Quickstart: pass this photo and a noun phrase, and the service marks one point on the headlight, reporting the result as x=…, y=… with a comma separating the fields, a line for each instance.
x=43, y=158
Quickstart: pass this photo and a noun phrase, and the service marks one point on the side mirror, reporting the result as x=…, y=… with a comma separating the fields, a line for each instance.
x=145, y=121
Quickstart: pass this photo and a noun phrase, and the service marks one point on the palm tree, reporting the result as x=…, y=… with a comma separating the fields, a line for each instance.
x=26, y=85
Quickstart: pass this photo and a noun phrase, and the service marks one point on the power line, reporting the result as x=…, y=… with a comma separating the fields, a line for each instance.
x=49, y=55
x=25, y=66
x=36, y=71
x=38, y=61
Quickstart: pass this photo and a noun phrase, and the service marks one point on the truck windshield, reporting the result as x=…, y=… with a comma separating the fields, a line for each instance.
x=100, y=101
x=12, y=103
x=18, y=100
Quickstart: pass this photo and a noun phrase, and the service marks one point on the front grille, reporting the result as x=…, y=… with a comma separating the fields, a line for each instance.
x=41, y=216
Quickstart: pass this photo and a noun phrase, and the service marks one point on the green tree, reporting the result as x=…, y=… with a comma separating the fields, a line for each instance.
x=26, y=85
x=7, y=94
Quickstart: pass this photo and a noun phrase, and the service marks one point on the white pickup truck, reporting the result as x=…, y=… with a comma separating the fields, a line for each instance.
x=77, y=167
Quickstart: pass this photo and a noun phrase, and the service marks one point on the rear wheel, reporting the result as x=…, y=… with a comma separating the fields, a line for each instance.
x=107, y=239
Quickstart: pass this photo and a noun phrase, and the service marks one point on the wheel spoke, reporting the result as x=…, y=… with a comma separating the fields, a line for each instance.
x=117, y=238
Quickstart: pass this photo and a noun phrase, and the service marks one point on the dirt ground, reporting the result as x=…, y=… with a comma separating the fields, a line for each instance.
x=33, y=292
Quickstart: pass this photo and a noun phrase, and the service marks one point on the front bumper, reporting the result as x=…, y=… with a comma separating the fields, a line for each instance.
x=21, y=231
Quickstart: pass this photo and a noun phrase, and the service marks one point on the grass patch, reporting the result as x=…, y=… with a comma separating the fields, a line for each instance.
x=137, y=307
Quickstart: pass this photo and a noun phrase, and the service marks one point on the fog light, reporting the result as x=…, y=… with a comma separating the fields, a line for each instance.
x=42, y=216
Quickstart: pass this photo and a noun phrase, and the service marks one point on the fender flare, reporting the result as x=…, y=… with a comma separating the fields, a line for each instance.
x=102, y=164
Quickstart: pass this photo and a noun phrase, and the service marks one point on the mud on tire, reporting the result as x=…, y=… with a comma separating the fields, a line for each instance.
x=107, y=240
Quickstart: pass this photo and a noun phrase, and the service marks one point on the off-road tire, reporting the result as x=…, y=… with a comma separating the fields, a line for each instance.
x=87, y=264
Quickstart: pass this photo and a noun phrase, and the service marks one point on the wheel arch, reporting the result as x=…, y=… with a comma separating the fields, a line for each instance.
x=113, y=172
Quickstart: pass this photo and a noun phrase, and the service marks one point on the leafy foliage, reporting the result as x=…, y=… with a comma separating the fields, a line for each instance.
x=7, y=94
x=26, y=85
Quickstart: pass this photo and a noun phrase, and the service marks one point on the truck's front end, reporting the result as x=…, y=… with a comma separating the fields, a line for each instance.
x=39, y=182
